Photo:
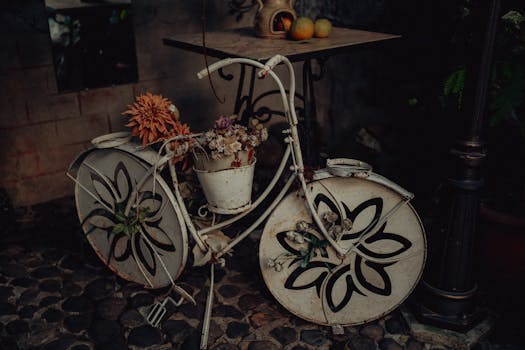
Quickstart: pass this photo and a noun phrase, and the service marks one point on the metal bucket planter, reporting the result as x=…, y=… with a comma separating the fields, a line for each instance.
x=203, y=162
x=227, y=189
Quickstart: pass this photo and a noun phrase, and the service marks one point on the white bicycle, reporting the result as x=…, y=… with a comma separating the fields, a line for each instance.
x=345, y=248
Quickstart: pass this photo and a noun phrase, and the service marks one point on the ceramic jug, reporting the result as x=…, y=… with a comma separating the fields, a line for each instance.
x=269, y=18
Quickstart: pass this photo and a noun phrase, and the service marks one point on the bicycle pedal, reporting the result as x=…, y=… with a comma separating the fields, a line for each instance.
x=156, y=314
x=159, y=310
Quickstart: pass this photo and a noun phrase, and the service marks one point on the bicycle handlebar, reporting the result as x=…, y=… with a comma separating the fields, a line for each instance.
x=215, y=66
x=268, y=66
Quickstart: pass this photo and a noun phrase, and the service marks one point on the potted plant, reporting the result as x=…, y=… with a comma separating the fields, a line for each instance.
x=224, y=163
x=229, y=144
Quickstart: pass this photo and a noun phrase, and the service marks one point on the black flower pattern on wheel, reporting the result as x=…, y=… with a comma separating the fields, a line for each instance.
x=116, y=193
x=321, y=271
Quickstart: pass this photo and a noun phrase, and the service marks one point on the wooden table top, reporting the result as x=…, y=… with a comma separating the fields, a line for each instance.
x=242, y=42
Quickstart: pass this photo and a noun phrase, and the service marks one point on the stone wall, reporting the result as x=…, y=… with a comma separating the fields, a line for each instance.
x=41, y=130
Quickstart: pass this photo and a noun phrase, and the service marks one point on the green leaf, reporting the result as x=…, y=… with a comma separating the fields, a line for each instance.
x=126, y=230
x=123, y=14
x=305, y=260
x=514, y=18
x=311, y=237
x=454, y=85
x=412, y=101
x=121, y=206
x=121, y=217
x=118, y=228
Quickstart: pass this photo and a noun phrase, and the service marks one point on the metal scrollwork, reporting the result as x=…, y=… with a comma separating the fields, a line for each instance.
x=265, y=114
x=227, y=77
x=246, y=101
x=321, y=63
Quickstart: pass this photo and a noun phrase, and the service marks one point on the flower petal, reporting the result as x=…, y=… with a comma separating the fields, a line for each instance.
x=145, y=254
x=122, y=182
x=360, y=216
x=150, y=201
x=158, y=237
x=312, y=275
x=334, y=287
x=100, y=218
x=383, y=245
x=120, y=247
x=372, y=276
x=104, y=191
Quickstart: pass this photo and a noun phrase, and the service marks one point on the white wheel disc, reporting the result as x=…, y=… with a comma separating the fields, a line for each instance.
x=381, y=270
x=158, y=247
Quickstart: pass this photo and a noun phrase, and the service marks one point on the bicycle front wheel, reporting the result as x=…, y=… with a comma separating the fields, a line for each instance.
x=386, y=244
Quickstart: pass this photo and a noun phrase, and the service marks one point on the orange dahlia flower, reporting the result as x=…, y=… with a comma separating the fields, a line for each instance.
x=152, y=117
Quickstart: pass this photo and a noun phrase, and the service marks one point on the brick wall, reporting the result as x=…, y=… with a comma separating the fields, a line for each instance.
x=41, y=130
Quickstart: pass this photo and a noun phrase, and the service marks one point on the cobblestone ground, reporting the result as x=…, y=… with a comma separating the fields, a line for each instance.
x=54, y=295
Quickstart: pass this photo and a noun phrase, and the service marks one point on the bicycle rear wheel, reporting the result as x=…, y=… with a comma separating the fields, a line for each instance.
x=150, y=248
x=309, y=279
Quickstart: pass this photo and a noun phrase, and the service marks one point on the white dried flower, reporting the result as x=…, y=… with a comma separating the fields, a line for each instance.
x=264, y=134
x=347, y=224
x=301, y=226
x=209, y=135
x=229, y=138
x=330, y=217
x=235, y=146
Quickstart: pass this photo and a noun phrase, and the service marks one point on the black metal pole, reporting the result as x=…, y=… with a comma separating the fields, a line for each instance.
x=447, y=294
